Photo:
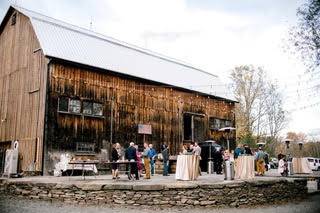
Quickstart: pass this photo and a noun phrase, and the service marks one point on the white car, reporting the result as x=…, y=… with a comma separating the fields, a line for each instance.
x=317, y=160
x=273, y=163
x=314, y=163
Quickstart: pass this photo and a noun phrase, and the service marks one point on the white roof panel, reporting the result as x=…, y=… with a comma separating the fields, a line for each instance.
x=65, y=41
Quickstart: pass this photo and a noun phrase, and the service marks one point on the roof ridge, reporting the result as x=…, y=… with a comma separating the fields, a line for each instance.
x=101, y=36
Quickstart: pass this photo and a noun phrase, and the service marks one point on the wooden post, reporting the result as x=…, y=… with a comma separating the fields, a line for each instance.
x=111, y=121
x=192, y=128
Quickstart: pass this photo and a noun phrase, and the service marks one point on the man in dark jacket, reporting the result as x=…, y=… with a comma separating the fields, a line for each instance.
x=217, y=160
x=131, y=155
x=165, y=156
x=247, y=150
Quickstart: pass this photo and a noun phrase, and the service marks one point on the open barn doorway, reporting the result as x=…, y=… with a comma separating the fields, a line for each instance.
x=193, y=127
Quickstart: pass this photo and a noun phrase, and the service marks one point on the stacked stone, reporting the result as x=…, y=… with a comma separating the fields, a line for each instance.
x=187, y=195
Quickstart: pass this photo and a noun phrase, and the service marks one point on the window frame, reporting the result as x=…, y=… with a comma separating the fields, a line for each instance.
x=80, y=109
x=81, y=112
x=93, y=112
x=83, y=107
x=216, y=123
x=59, y=100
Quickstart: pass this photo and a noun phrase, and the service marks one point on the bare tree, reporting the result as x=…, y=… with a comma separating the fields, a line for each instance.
x=305, y=37
x=276, y=116
x=259, y=114
x=248, y=86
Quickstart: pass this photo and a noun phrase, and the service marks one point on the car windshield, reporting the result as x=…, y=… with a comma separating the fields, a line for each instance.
x=310, y=160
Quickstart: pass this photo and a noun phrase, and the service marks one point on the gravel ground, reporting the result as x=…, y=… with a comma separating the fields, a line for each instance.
x=9, y=205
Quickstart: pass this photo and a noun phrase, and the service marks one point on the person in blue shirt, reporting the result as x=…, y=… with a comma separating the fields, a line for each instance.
x=238, y=151
x=152, y=154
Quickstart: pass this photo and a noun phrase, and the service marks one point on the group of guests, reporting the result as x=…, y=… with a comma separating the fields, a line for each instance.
x=138, y=160
x=261, y=157
x=146, y=159
x=192, y=149
x=219, y=154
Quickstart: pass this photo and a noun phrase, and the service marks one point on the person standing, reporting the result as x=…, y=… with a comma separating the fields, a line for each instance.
x=247, y=150
x=266, y=161
x=146, y=160
x=139, y=161
x=152, y=155
x=184, y=149
x=165, y=156
x=197, y=152
x=282, y=166
x=196, y=149
x=226, y=155
x=114, y=159
x=120, y=151
x=131, y=155
x=238, y=151
x=217, y=160
x=260, y=155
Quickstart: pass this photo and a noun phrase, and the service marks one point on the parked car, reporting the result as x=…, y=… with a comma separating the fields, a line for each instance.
x=314, y=163
x=273, y=163
x=317, y=161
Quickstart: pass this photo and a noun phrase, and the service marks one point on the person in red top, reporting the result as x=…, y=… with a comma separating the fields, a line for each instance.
x=139, y=161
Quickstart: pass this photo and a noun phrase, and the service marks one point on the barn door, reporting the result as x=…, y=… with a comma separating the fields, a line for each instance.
x=193, y=127
x=199, y=131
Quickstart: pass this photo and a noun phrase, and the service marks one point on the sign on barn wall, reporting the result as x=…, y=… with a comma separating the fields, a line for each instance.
x=144, y=129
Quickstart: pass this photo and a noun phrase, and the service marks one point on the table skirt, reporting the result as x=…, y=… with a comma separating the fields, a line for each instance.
x=187, y=167
x=301, y=166
x=244, y=168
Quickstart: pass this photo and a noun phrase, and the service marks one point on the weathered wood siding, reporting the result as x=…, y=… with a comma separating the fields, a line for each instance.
x=22, y=90
x=135, y=101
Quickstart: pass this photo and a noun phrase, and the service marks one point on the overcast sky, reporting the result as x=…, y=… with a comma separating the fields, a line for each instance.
x=213, y=35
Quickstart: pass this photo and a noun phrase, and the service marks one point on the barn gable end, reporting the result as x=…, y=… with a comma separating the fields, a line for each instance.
x=22, y=89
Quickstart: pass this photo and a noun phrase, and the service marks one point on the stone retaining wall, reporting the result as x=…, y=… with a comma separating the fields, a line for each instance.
x=209, y=195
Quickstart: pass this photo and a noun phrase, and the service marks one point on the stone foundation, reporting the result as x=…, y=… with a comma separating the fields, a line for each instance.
x=186, y=194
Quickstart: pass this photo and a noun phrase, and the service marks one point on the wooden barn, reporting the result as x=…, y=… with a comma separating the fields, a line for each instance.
x=65, y=89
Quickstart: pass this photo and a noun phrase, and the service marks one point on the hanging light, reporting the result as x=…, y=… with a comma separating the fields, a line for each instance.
x=300, y=143
x=287, y=141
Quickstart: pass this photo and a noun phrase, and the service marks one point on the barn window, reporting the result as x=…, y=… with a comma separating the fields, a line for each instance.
x=85, y=147
x=63, y=104
x=222, y=123
x=97, y=109
x=14, y=19
x=75, y=106
x=228, y=123
x=87, y=108
x=216, y=123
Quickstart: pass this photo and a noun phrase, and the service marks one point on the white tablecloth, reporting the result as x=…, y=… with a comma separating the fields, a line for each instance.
x=301, y=166
x=187, y=167
x=244, y=168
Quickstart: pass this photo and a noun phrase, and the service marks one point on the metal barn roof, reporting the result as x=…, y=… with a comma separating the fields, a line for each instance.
x=65, y=41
